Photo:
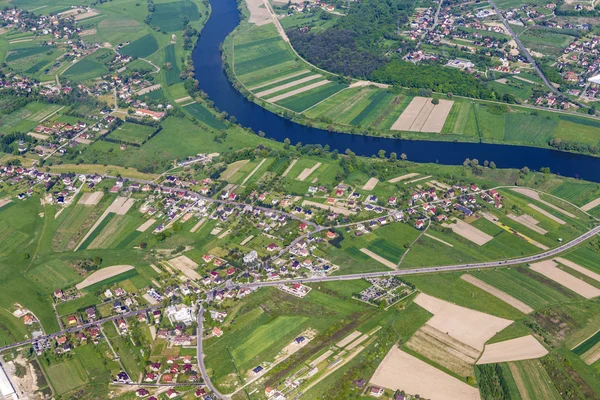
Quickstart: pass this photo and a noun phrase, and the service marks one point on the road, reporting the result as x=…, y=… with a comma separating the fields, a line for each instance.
x=523, y=49
x=200, y=355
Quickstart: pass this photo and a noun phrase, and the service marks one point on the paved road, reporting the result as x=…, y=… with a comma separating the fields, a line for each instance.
x=200, y=355
x=523, y=49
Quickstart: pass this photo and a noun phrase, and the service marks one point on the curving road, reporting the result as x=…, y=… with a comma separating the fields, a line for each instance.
x=200, y=355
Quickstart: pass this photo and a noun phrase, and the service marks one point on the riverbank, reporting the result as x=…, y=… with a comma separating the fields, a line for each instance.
x=264, y=68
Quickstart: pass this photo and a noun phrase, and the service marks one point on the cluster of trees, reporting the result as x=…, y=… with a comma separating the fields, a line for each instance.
x=434, y=77
x=572, y=145
x=492, y=384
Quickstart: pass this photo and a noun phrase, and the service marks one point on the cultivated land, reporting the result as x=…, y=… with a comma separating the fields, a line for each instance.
x=104, y=273
x=523, y=348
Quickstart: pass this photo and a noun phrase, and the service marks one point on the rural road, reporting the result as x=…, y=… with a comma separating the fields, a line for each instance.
x=200, y=355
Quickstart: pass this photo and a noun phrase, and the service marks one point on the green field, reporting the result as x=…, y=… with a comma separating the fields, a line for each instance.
x=588, y=344
x=169, y=16
x=533, y=380
x=302, y=101
x=66, y=376
x=200, y=112
x=578, y=193
x=87, y=68
x=132, y=133
x=172, y=74
x=141, y=47
x=18, y=53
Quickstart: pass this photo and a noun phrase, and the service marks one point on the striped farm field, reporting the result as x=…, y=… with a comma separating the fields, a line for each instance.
x=578, y=193
x=521, y=287
x=285, y=79
x=200, y=112
x=302, y=101
x=461, y=120
x=587, y=344
x=375, y=100
x=293, y=84
x=385, y=111
x=344, y=106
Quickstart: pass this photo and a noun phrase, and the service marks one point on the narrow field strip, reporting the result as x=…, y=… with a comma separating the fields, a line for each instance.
x=523, y=348
x=253, y=171
x=528, y=222
x=546, y=214
x=289, y=168
x=532, y=194
x=549, y=269
x=439, y=240
x=298, y=91
x=146, y=225
x=418, y=179
x=378, y=258
x=198, y=225
x=103, y=274
x=407, y=118
x=505, y=297
x=288, y=85
x=591, y=204
x=578, y=268
x=403, y=177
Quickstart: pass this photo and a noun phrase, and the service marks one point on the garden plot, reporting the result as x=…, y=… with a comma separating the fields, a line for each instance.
x=103, y=274
x=186, y=266
x=90, y=199
x=529, y=222
x=470, y=327
x=401, y=371
x=307, y=171
x=523, y=348
x=422, y=115
x=469, y=232
x=146, y=225
x=378, y=258
x=371, y=183
x=403, y=177
x=298, y=91
x=532, y=194
x=505, y=297
x=288, y=85
x=578, y=268
x=549, y=269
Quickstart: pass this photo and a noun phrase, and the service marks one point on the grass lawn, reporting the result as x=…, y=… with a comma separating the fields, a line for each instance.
x=200, y=112
x=66, y=376
x=169, y=16
x=132, y=133
x=141, y=47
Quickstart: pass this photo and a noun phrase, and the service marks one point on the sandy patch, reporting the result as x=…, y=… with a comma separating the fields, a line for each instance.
x=148, y=89
x=357, y=342
x=279, y=79
x=438, y=239
x=578, y=268
x=258, y=15
x=532, y=194
x=403, y=177
x=321, y=358
x=289, y=168
x=103, y=274
x=339, y=210
x=249, y=238
x=421, y=115
x=469, y=232
x=444, y=350
x=523, y=348
x=347, y=339
x=546, y=214
x=5, y=201
x=156, y=269
x=151, y=300
x=401, y=371
x=253, y=171
x=85, y=15
x=298, y=91
x=233, y=168
x=529, y=222
x=591, y=204
x=198, y=225
x=288, y=85
x=38, y=136
x=505, y=297
x=90, y=199
x=25, y=384
x=146, y=225
x=222, y=235
x=186, y=266
x=371, y=183
x=549, y=270
x=378, y=258
x=470, y=327
x=307, y=171
x=182, y=99
x=440, y=185
x=20, y=40
x=418, y=179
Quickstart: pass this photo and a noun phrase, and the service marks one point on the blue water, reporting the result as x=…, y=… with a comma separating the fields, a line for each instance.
x=213, y=81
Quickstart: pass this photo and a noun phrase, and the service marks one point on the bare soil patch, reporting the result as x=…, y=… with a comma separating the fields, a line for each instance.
x=347, y=339
x=529, y=222
x=258, y=15
x=403, y=177
x=401, y=371
x=339, y=210
x=592, y=204
x=90, y=199
x=549, y=269
x=39, y=136
x=371, y=183
x=470, y=327
x=321, y=358
x=149, y=89
x=532, y=194
x=410, y=114
x=198, y=225
x=146, y=225
x=422, y=115
x=307, y=171
x=186, y=265
x=592, y=355
x=523, y=348
x=88, y=32
x=298, y=91
x=288, y=85
x=505, y=297
x=103, y=274
x=5, y=201
x=469, y=232
x=378, y=258
x=578, y=268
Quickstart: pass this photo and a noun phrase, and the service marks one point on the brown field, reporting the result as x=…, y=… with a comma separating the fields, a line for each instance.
x=508, y=299
x=5, y=201
x=298, y=91
x=39, y=136
x=532, y=194
x=146, y=225
x=119, y=206
x=444, y=350
x=357, y=342
x=401, y=371
x=198, y=225
x=288, y=85
x=233, y=168
x=402, y=177
x=378, y=258
x=259, y=14
x=103, y=274
x=321, y=358
x=549, y=270
x=186, y=266
x=307, y=171
x=470, y=327
x=578, y=268
x=422, y=115
x=348, y=339
x=469, y=232
x=107, y=235
x=371, y=183
x=523, y=348
x=592, y=355
x=529, y=222
x=90, y=199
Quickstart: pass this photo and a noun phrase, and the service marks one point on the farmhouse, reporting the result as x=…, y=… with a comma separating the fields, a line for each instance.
x=155, y=115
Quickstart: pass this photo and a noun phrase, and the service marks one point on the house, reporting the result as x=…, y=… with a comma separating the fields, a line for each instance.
x=122, y=377
x=58, y=294
x=72, y=320
x=28, y=319
x=419, y=224
x=167, y=378
x=171, y=393
x=272, y=247
x=155, y=115
x=141, y=392
x=331, y=235
x=150, y=377
x=376, y=391
x=200, y=393
x=217, y=332
x=257, y=370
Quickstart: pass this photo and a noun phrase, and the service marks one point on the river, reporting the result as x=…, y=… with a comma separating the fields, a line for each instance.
x=213, y=80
